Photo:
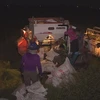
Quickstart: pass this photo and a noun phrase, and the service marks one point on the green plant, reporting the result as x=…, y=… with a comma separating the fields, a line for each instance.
x=9, y=78
x=54, y=93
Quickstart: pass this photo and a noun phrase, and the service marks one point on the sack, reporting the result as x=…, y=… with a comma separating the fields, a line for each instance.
x=35, y=92
x=49, y=80
x=51, y=54
x=41, y=53
x=47, y=66
x=62, y=73
x=21, y=90
x=37, y=88
x=31, y=96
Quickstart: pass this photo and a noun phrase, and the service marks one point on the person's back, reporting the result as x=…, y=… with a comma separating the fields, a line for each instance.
x=84, y=50
x=60, y=59
x=80, y=34
x=29, y=64
x=71, y=33
x=22, y=45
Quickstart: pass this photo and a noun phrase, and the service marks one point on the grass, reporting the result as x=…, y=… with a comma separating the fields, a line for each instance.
x=87, y=86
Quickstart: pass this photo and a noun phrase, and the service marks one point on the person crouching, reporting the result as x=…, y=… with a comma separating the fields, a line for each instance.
x=30, y=63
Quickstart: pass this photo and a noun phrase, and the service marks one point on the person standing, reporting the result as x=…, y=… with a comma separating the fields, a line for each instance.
x=73, y=43
x=30, y=63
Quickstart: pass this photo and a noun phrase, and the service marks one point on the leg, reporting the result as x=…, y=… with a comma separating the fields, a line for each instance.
x=74, y=58
x=74, y=50
x=26, y=78
x=34, y=77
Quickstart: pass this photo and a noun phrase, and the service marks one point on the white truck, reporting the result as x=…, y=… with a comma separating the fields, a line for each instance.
x=49, y=29
x=44, y=27
x=45, y=30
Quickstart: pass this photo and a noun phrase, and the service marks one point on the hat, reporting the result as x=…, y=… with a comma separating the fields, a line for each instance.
x=33, y=46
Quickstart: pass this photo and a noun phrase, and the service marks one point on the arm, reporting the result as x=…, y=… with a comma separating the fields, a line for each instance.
x=55, y=61
x=22, y=64
x=57, y=51
x=65, y=34
x=39, y=65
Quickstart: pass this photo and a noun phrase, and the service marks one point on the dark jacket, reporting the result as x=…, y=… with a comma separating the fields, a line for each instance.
x=60, y=59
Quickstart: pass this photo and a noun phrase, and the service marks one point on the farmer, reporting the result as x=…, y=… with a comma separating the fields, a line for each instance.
x=30, y=63
x=85, y=54
x=60, y=59
x=22, y=45
x=85, y=50
x=80, y=35
x=73, y=42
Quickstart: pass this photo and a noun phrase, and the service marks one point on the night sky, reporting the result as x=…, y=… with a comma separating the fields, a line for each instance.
x=94, y=3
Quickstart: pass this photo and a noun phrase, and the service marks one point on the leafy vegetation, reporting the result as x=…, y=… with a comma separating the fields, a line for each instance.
x=9, y=78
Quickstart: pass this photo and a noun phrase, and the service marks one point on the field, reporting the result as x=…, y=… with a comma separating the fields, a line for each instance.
x=14, y=18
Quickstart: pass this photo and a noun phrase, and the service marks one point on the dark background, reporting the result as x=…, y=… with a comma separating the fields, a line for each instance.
x=76, y=14
x=16, y=16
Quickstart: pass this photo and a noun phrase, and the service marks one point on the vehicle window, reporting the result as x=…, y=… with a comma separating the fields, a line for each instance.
x=50, y=28
x=60, y=27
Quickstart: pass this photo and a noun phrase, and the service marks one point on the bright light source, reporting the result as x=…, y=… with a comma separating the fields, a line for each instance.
x=85, y=33
x=37, y=42
x=51, y=37
x=24, y=32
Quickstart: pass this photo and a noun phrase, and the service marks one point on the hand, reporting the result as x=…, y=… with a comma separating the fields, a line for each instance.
x=41, y=75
